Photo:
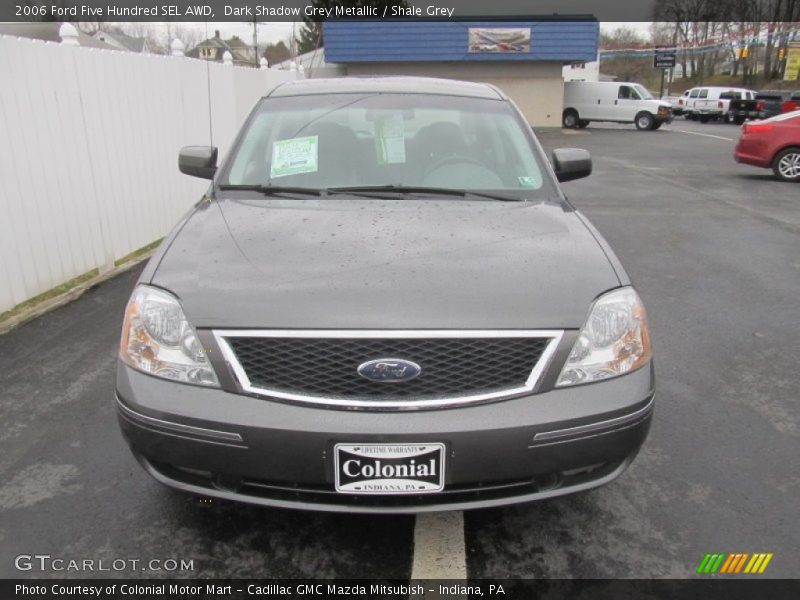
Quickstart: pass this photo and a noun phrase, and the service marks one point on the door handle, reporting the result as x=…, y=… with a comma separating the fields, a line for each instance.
x=598, y=101
x=616, y=101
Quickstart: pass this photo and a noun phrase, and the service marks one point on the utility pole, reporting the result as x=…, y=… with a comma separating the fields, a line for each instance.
x=255, y=43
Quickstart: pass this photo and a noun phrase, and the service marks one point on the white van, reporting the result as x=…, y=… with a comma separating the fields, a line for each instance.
x=614, y=101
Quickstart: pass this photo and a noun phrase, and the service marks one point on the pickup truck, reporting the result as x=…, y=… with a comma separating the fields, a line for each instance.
x=716, y=104
x=767, y=103
x=676, y=102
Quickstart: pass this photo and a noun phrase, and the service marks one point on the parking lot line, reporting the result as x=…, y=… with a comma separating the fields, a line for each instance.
x=439, y=546
x=708, y=135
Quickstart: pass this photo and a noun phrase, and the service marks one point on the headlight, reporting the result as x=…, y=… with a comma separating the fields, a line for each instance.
x=614, y=340
x=157, y=339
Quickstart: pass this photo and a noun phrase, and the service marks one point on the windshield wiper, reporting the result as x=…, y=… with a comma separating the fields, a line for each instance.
x=273, y=190
x=409, y=189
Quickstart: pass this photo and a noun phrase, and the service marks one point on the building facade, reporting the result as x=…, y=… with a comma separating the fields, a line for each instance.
x=523, y=58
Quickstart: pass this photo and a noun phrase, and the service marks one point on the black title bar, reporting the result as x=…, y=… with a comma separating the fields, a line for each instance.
x=506, y=589
x=298, y=10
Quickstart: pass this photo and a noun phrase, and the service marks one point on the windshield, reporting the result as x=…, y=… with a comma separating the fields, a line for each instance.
x=643, y=93
x=397, y=140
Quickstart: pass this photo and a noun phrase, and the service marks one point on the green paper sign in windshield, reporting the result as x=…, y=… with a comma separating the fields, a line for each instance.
x=295, y=156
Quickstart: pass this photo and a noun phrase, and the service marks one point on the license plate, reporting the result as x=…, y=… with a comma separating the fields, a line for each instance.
x=389, y=469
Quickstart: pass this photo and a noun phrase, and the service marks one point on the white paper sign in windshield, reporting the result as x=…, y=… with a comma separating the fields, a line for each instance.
x=294, y=156
x=390, y=140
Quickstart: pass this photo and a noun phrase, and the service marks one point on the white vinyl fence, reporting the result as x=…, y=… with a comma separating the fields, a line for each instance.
x=89, y=143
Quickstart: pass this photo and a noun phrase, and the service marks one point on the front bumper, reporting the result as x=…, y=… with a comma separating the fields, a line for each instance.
x=236, y=447
x=664, y=117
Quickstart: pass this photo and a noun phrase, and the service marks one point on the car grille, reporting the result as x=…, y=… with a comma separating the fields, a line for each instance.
x=308, y=368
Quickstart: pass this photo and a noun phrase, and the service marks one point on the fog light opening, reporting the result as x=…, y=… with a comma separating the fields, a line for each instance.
x=582, y=470
x=226, y=483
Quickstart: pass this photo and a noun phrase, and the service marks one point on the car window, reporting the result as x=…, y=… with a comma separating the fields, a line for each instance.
x=344, y=140
x=693, y=93
x=703, y=94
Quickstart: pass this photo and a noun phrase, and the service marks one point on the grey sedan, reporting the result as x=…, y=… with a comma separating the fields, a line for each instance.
x=385, y=303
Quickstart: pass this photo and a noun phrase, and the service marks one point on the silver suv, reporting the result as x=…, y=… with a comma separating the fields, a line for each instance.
x=384, y=303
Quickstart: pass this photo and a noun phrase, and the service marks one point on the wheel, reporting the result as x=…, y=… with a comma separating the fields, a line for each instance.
x=786, y=165
x=644, y=121
x=727, y=118
x=657, y=125
x=704, y=119
x=570, y=118
x=582, y=124
x=738, y=120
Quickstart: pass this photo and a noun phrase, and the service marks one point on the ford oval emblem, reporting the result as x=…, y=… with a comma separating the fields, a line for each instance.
x=389, y=370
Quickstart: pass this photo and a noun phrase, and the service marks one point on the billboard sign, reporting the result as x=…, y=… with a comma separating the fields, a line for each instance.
x=664, y=57
x=504, y=40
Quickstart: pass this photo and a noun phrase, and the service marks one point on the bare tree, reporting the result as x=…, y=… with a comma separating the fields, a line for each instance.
x=626, y=66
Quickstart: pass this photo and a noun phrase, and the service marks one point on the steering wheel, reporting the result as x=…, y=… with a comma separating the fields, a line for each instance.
x=453, y=159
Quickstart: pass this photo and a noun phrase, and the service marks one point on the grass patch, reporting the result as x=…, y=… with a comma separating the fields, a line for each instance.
x=137, y=253
x=49, y=294
x=72, y=283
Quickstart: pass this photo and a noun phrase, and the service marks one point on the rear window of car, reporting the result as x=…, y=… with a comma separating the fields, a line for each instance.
x=370, y=139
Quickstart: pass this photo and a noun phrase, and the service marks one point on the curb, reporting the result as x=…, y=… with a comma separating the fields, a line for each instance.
x=69, y=296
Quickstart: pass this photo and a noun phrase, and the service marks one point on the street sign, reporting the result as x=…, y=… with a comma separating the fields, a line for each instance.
x=664, y=57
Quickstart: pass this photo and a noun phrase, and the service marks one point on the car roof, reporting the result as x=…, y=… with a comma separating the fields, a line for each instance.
x=387, y=85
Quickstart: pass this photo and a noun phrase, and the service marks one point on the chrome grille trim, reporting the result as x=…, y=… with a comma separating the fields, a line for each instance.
x=246, y=386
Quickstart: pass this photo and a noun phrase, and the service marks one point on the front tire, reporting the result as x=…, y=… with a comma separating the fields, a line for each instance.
x=570, y=119
x=644, y=121
x=582, y=124
x=786, y=165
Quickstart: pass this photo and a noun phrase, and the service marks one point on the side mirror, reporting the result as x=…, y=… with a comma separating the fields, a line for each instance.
x=571, y=163
x=198, y=161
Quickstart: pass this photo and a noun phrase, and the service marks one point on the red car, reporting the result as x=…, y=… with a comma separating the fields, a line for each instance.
x=772, y=143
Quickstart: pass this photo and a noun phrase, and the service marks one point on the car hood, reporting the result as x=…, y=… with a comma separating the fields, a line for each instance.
x=385, y=264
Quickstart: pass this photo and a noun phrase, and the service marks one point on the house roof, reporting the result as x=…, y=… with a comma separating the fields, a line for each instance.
x=238, y=49
x=315, y=59
x=134, y=44
x=48, y=32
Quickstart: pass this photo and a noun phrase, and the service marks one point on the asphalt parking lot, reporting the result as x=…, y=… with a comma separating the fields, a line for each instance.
x=712, y=247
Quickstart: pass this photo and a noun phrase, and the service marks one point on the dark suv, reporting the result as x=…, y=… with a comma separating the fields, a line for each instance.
x=384, y=303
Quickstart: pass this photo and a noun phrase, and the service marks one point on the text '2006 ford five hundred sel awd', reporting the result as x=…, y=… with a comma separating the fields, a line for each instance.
x=385, y=303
